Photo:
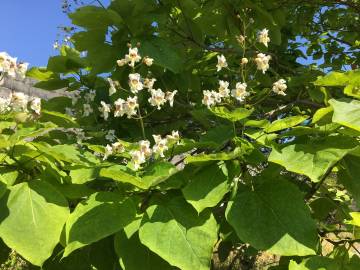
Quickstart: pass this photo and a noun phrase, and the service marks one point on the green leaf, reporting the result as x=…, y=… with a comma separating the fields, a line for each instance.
x=314, y=158
x=234, y=116
x=158, y=172
x=92, y=17
x=285, y=123
x=325, y=263
x=40, y=73
x=207, y=187
x=346, y=113
x=352, y=90
x=60, y=119
x=236, y=153
x=135, y=256
x=122, y=174
x=84, y=175
x=175, y=232
x=333, y=79
x=349, y=176
x=264, y=218
x=355, y=219
x=321, y=113
x=103, y=214
x=32, y=217
x=163, y=53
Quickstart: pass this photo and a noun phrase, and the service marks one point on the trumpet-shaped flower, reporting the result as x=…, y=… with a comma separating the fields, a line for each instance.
x=169, y=96
x=121, y=62
x=174, y=137
x=112, y=87
x=133, y=57
x=208, y=99
x=262, y=62
x=280, y=87
x=160, y=145
x=145, y=148
x=87, y=110
x=35, y=105
x=137, y=158
x=130, y=106
x=105, y=109
x=118, y=147
x=149, y=83
x=263, y=37
x=224, y=89
x=108, y=151
x=157, y=98
x=119, y=107
x=110, y=136
x=135, y=83
x=19, y=101
x=240, y=92
x=221, y=62
x=148, y=61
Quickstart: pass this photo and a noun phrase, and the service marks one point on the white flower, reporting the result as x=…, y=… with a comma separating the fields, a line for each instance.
x=118, y=147
x=87, y=110
x=4, y=104
x=175, y=137
x=108, y=151
x=137, y=158
x=135, y=83
x=169, y=96
x=160, y=145
x=119, y=107
x=110, y=136
x=208, y=99
x=279, y=87
x=133, y=57
x=35, y=105
x=131, y=105
x=145, y=148
x=121, y=62
x=262, y=62
x=224, y=88
x=221, y=62
x=90, y=96
x=217, y=96
x=149, y=83
x=241, y=39
x=75, y=97
x=21, y=70
x=112, y=87
x=157, y=98
x=105, y=109
x=148, y=61
x=263, y=37
x=244, y=61
x=19, y=101
x=240, y=92
x=70, y=111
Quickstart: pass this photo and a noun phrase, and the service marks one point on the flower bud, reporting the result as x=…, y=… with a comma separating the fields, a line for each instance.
x=244, y=61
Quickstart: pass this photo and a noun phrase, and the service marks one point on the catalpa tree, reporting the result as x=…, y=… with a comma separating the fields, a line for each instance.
x=190, y=136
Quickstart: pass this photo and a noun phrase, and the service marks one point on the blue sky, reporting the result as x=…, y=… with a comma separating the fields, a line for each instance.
x=30, y=27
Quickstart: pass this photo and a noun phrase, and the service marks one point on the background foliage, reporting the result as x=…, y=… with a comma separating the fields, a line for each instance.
x=275, y=174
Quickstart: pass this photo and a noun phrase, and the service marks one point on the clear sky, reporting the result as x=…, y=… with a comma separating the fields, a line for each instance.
x=30, y=27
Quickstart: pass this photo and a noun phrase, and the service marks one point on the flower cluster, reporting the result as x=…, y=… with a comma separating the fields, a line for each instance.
x=143, y=150
x=19, y=102
x=262, y=62
x=10, y=67
x=134, y=57
x=263, y=37
x=280, y=87
x=211, y=98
